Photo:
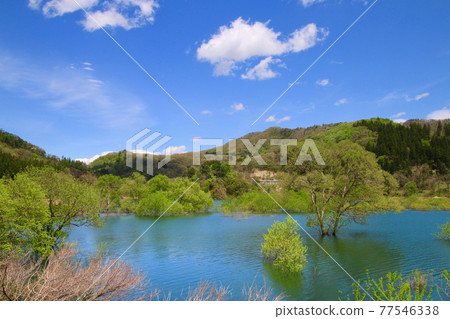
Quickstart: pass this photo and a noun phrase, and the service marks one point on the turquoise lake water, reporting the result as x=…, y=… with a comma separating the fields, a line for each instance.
x=178, y=252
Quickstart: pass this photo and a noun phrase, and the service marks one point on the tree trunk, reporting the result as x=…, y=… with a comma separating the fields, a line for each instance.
x=336, y=225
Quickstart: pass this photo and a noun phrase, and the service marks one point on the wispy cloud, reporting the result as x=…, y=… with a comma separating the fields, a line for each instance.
x=70, y=90
x=127, y=14
x=272, y=118
x=242, y=40
x=441, y=114
x=284, y=119
x=394, y=95
x=398, y=115
x=341, y=101
x=417, y=97
x=308, y=3
x=310, y=108
x=206, y=112
x=237, y=107
x=323, y=82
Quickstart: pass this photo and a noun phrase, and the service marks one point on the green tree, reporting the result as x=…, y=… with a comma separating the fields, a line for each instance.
x=132, y=189
x=347, y=189
x=411, y=188
x=161, y=193
x=109, y=186
x=444, y=232
x=283, y=246
x=24, y=213
x=70, y=202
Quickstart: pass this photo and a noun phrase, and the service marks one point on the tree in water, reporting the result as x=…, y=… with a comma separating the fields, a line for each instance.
x=348, y=188
x=283, y=246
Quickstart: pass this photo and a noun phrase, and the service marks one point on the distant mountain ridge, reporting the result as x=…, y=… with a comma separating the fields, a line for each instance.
x=398, y=147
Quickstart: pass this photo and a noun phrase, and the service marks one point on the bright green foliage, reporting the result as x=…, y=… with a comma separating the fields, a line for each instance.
x=256, y=201
x=283, y=246
x=160, y=194
x=417, y=286
x=424, y=203
x=347, y=189
x=109, y=186
x=132, y=190
x=444, y=231
x=158, y=203
x=40, y=205
x=23, y=215
x=411, y=188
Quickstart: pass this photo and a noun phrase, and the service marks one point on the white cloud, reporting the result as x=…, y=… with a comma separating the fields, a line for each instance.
x=262, y=70
x=286, y=118
x=441, y=114
x=206, y=112
x=242, y=40
x=310, y=108
x=34, y=4
x=271, y=119
x=127, y=14
x=307, y=3
x=398, y=115
x=400, y=121
x=88, y=68
x=71, y=91
x=341, y=101
x=108, y=18
x=173, y=150
x=167, y=151
x=323, y=82
x=54, y=8
x=88, y=161
x=417, y=97
x=95, y=81
x=87, y=63
x=237, y=107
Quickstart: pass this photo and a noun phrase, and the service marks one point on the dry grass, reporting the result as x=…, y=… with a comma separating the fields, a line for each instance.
x=263, y=293
x=207, y=291
x=63, y=276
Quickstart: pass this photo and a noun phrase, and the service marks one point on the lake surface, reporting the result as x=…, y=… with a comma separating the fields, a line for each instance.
x=178, y=252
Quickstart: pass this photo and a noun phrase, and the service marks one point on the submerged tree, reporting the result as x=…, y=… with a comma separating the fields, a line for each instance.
x=283, y=246
x=444, y=231
x=348, y=188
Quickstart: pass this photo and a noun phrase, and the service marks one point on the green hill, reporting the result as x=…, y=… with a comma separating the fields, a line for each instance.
x=17, y=154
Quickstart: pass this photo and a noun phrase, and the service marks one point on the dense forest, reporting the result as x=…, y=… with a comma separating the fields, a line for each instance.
x=400, y=147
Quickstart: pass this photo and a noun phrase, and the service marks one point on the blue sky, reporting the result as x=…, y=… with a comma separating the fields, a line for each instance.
x=66, y=86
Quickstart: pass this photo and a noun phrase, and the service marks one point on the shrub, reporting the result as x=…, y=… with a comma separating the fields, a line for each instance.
x=445, y=231
x=66, y=277
x=417, y=286
x=411, y=188
x=283, y=246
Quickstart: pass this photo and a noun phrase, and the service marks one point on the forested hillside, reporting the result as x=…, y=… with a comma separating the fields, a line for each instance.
x=16, y=155
x=415, y=152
